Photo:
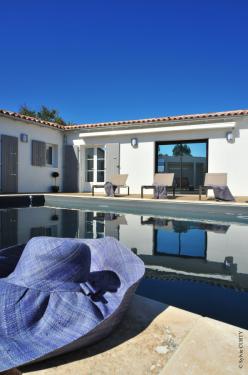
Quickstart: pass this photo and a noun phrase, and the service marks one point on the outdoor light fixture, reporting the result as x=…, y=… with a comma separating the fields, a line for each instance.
x=229, y=136
x=134, y=142
x=24, y=138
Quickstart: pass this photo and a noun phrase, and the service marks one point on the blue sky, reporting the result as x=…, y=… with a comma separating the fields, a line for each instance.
x=197, y=149
x=103, y=60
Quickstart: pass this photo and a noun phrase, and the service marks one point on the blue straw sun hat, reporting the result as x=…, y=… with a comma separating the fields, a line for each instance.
x=62, y=294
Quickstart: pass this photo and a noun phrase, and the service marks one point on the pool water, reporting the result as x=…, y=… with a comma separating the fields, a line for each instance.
x=200, y=266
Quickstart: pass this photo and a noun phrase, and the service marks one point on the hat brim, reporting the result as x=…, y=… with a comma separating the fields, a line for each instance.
x=57, y=322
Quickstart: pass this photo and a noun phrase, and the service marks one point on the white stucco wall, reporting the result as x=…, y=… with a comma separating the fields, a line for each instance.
x=225, y=245
x=231, y=158
x=32, y=178
x=135, y=235
x=139, y=163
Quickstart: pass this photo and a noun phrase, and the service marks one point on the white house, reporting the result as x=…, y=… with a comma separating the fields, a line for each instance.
x=188, y=145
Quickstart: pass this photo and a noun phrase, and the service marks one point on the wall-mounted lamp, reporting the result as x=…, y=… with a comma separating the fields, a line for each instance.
x=134, y=142
x=24, y=138
x=229, y=136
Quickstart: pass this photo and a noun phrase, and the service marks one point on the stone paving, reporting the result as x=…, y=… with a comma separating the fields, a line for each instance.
x=156, y=339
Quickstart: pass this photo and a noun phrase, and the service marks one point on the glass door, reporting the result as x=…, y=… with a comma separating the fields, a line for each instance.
x=95, y=164
x=89, y=156
x=194, y=165
x=100, y=153
x=187, y=160
x=94, y=225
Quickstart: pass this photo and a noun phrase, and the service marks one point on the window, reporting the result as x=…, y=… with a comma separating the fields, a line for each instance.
x=94, y=225
x=100, y=164
x=95, y=164
x=186, y=159
x=51, y=231
x=90, y=164
x=180, y=238
x=44, y=154
x=191, y=243
x=51, y=155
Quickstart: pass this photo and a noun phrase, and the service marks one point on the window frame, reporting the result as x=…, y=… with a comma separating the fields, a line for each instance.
x=184, y=141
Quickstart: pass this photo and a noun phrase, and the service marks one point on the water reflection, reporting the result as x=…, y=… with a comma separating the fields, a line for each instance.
x=181, y=238
x=187, y=263
x=170, y=248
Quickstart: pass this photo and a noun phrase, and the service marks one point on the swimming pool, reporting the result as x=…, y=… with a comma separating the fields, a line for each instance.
x=197, y=265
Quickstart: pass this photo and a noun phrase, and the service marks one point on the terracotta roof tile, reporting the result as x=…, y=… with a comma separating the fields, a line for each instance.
x=167, y=119
x=31, y=119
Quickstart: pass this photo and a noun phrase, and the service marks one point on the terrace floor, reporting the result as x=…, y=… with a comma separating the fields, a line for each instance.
x=156, y=339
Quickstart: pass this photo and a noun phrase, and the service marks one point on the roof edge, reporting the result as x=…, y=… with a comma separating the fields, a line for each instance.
x=34, y=120
x=147, y=121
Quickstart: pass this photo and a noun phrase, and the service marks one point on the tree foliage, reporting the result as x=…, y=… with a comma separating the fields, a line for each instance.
x=181, y=149
x=24, y=110
x=45, y=114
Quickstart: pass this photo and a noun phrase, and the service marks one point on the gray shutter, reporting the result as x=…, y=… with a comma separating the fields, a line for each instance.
x=9, y=161
x=38, y=153
x=112, y=157
x=8, y=228
x=69, y=225
x=70, y=170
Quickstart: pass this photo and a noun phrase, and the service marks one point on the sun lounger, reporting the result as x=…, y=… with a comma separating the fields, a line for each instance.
x=118, y=180
x=218, y=183
x=161, y=179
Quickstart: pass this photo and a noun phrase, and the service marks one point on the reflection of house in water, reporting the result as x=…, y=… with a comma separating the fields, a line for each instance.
x=180, y=249
x=182, y=238
x=8, y=228
x=170, y=248
x=100, y=224
x=17, y=226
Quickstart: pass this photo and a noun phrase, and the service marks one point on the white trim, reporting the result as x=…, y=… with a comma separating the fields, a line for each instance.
x=166, y=129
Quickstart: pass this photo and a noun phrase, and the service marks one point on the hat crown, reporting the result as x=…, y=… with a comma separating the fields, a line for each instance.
x=49, y=263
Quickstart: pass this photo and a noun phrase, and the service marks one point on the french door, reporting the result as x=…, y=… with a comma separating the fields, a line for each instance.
x=95, y=164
